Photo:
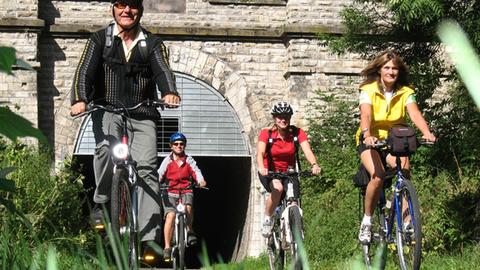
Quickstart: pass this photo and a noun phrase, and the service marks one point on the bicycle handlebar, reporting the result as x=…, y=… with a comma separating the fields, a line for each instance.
x=165, y=186
x=290, y=173
x=92, y=107
x=383, y=143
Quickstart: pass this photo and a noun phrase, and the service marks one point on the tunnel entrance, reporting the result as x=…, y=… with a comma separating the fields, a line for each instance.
x=220, y=212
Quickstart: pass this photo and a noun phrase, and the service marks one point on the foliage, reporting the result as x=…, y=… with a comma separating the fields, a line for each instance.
x=48, y=207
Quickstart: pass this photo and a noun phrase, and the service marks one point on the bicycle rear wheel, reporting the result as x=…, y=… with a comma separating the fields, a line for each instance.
x=122, y=216
x=296, y=229
x=374, y=253
x=409, y=236
x=179, y=254
x=276, y=254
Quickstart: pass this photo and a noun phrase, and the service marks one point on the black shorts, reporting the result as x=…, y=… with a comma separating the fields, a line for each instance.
x=266, y=180
x=383, y=154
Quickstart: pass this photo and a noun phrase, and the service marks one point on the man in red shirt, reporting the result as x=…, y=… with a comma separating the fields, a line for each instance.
x=177, y=169
x=280, y=157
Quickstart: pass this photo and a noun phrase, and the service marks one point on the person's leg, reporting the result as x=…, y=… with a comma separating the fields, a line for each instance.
x=373, y=164
x=168, y=229
x=144, y=152
x=105, y=129
x=271, y=202
x=191, y=237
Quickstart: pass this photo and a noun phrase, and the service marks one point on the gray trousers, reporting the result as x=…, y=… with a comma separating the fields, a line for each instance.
x=107, y=128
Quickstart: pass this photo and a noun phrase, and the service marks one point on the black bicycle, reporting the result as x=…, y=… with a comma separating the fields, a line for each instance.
x=397, y=224
x=287, y=232
x=124, y=189
x=180, y=242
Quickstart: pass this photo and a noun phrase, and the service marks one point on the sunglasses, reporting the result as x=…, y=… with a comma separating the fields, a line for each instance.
x=124, y=6
x=178, y=144
x=283, y=116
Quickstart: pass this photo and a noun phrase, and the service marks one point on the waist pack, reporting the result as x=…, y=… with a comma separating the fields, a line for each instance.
x=362, y=177
x=401, y=141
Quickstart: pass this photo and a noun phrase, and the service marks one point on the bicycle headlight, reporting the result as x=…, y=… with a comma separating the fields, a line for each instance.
x=120, y=151
x=181, y=207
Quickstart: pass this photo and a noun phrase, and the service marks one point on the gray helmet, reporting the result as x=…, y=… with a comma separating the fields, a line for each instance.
x=282, y=107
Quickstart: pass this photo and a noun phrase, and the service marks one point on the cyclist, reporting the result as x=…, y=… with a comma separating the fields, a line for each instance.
x=385, y=97
x=280, y=155
x=121, y=66
x=178, y=169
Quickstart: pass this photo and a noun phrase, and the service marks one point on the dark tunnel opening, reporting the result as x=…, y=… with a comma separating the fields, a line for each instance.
x=219, y=213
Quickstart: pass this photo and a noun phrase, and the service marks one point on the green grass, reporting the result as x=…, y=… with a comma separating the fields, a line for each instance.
x=469, y=258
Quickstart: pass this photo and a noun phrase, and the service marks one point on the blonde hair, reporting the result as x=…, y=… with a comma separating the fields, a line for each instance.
x=371, y=71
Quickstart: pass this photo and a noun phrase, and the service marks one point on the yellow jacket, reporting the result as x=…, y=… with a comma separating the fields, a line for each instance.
x=385, y=115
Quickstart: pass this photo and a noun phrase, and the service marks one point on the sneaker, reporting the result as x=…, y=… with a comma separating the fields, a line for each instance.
x=191, y=239
x=365, y=235
x=167, y=254
x=97, y=217
x=267, y=228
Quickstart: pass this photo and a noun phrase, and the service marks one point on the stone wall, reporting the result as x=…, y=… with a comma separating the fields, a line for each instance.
x=253, y=54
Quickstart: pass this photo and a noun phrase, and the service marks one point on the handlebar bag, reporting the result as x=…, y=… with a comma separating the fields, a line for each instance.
x=401, y=141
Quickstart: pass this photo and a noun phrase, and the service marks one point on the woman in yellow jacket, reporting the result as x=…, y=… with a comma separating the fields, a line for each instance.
x=385, y=98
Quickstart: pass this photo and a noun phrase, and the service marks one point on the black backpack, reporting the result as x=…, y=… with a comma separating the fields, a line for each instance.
x=294, y=131
x=107, y=49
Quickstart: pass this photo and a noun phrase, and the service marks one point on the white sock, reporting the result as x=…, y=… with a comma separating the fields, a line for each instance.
x=367, y=220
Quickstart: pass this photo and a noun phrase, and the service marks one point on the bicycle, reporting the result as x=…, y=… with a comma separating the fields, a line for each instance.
x=401, y=209
x=287, y=232
x=180, y=230
x=124, y=189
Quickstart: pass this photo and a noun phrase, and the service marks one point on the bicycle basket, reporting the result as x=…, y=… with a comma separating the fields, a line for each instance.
x=401, y=141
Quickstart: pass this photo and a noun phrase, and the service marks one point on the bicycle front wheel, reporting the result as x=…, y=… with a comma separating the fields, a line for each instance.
x=296, y=229
x=179, y=256
x=276, y=254
x=122, y=217
x=409, y=235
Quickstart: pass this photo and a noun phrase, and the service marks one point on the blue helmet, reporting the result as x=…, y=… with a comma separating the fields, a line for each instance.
x=178, y=137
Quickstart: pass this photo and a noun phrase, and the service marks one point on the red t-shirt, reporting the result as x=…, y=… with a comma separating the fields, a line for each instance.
x=282, y=151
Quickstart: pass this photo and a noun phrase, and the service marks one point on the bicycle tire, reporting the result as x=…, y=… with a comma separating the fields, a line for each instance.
x=409, y=237
x=276, y=255
x=179, y=256
x=375, y=252
x=296, y=229
x=122, y=216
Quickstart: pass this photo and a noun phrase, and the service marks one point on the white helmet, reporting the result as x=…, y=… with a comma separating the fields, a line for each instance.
x=281, y=107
